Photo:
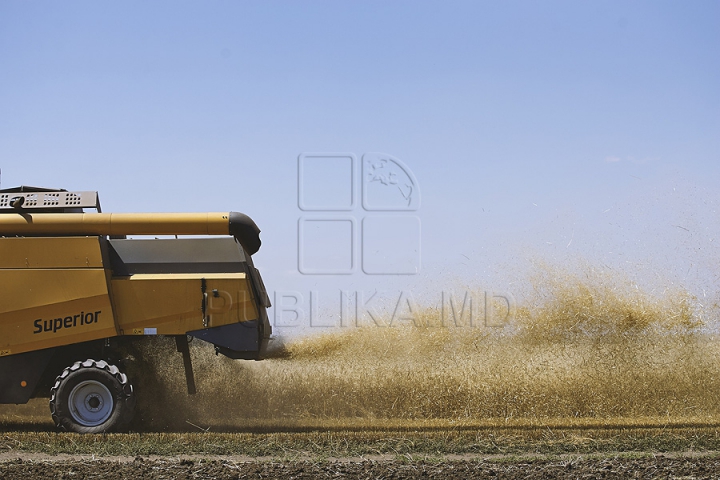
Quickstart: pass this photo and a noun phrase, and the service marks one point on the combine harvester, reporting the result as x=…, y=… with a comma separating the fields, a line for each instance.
x=75, y=292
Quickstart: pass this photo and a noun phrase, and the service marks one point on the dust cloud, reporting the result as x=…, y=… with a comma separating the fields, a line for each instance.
x=585, y=344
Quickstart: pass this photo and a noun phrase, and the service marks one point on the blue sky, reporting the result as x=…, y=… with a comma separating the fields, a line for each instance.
x=535, y=130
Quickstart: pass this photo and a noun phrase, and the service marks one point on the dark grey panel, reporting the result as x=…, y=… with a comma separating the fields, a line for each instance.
x=182, y=255
x=237, y=340
x=27, y=367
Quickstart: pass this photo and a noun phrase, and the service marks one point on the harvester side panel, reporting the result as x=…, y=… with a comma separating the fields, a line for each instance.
x=54, y=293
x=172, y=304
x=214, y=272
x=48, y=252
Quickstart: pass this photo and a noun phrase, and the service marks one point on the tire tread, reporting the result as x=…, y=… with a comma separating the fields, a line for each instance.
x=112, y=370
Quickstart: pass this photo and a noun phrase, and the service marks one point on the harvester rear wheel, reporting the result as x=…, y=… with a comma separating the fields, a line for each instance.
x=91, y=397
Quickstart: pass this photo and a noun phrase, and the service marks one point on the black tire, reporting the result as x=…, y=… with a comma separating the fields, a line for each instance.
x=91, y=397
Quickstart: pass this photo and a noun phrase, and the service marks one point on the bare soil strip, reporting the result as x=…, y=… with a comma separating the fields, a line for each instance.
x=520, y=451
x=662, y=466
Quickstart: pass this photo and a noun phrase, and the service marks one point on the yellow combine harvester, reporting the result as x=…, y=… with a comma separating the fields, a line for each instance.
x=74, y=291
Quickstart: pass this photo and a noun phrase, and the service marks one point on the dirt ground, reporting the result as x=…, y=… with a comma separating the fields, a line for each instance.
x=660, y=466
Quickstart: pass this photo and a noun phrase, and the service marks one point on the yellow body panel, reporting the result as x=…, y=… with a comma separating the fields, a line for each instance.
x=171, y=304
x=53, y=292
x=75, y=252
x=46, y=326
